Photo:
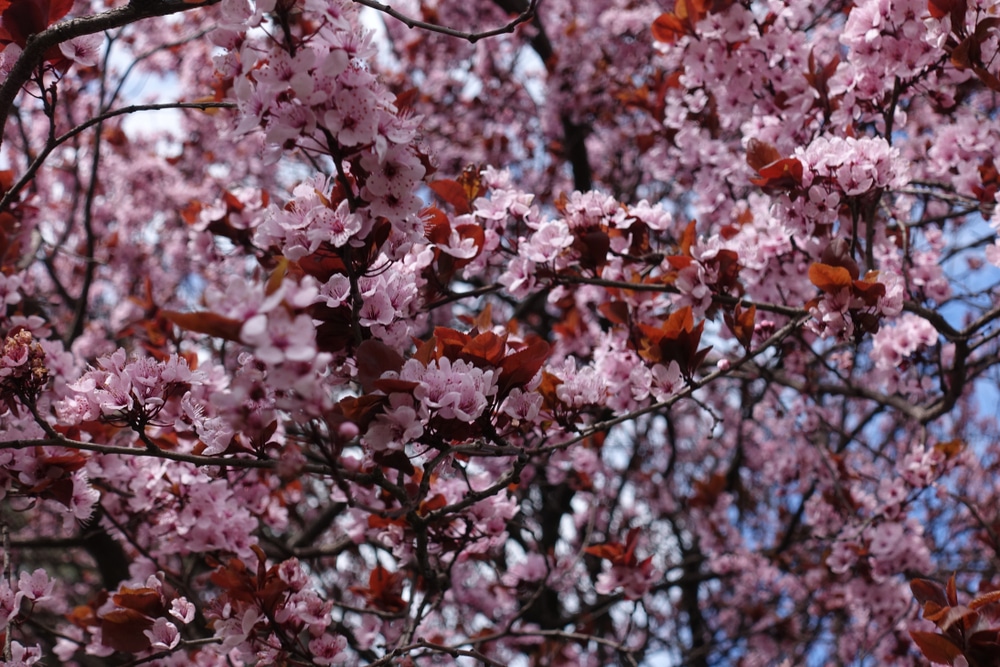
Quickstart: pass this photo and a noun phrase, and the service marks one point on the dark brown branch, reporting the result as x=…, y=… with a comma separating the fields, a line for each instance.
x=200, y=461
x=36, y=164
x=473, y=37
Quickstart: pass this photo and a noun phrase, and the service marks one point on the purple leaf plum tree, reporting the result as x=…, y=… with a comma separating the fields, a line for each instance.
x=511, y=332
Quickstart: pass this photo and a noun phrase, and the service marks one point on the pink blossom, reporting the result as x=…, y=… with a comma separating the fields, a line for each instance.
x=327, y=649
x=548, y=243
x=182, y=610
x=278, y=338
x=130, y=391
x=522, y=406
x=36, y=586
x=163, y=635
x=398, y=424
x=22, y=656
x=377, y=309
x=10, y=603
x=84, y=50
x=634, y=580
x=335, y=226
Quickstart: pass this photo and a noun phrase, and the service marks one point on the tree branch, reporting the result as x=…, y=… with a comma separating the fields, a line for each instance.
x=37, y=45
x=472, y=37
x=36, y=164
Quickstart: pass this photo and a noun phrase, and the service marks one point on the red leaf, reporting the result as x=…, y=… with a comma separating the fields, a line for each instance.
x=925, y=590
x=935, y=647
x=952, y=592
x=687, y=240
x=24, y=18
x=985, y=599
x=206, y=322
x=453, y=193
x=785, y=167
x=991, y=81
x=609, y=550
x=517, y=369
x=144, y=600
x=776, y=171
x=437, y=226
x=676, y=339
x=487, y=347
x=838, y=253
x=478, y=236
x=122, y=629
x=394, y=386
x=395, y=459
x=384, y=590
x=484, y=320
x=374, y=359
x=955, y=8
x=449, y=342
x=362, y=409
x=322, y=265
x=631, y=542
x=868, y=292
x=615, y=311
x=741, y=323
x=760, y=154
x=593, y=246
x=435, y=502
x=668, y=28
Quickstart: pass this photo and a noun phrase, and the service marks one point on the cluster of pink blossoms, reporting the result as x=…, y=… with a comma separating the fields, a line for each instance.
x=853, y=165
x=322, y=98
x=442, y=390
x=127, y=391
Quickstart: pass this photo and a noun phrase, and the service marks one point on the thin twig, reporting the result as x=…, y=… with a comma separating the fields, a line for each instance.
x=37, y=45
x=39, y=160
x=471, y=37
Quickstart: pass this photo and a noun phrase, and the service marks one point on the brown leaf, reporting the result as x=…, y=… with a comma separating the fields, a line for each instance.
x=122, y=630
x=950, y=449
x=925, y=590
x=206, y=322
x=486, y=347
x=687, y=239
x=741, y=323
x=935, y=647
x=830, y=279
x=144, y=600
x=452, y=193
x=374, y=359
x=985, y=599
x=668, y=28
x=518, y=369
x=760, y=154
x=471, y=179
